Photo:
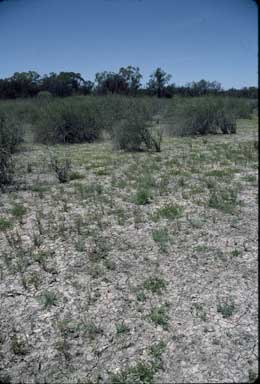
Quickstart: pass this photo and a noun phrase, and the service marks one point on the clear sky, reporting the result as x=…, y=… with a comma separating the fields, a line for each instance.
x=190, y=39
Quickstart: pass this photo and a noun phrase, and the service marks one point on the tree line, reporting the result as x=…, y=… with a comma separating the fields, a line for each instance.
x=127, y=81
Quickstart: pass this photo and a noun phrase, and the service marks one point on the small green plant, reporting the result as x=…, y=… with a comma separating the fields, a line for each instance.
x=199, y=311
x=141, y=373
x=252, y=376
x=159, y=316
x=236, y=252
x=155, y=284
x=170, y=212
x=156, y=351
x=224, y=200
x=140, y=296
x=76, y=176
x=92, y=330
x=18, y=346
x=5, y=224
x=122, y=328
x=226, y=309
x=143, y=196
x=49, y=299
x=161, y=237
x=18, y=211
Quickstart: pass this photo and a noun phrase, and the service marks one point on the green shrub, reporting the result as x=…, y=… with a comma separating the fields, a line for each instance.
x=6, y=168
x=11, y=133
x=238, y=107
x=203, y=115
x=135, y=130
x=62, y=169
x=44, y=95
x=67, y=121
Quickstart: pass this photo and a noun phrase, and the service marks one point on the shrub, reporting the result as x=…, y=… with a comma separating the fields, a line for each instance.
x=203, y=115
x=11, y=135
x=67, y=121
x=44, y=95
x=62, y=169
x=6, y=168
x=238, y=107
x=135, y=130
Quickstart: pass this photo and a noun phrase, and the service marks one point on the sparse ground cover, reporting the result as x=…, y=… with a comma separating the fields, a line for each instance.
x=138, y=268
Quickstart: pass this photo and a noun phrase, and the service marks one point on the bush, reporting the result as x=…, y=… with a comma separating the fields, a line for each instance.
x=67, y=121
x=62, y=169
x=238, y=107
x=6, y=168
x=203, y=115
x=136, y=130
x=44, y=95
x=10, y=136
x=11, y=133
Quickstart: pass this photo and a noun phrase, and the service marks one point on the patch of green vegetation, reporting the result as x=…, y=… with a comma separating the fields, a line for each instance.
x=140, y=296
x=41, y=257
x=18, y=211
x=5, y=224
x=226, y=309
x=221, y=172
x=141, y=373
x=118, y=182
x=49, y=299
x=154, y=284
x=80, y=245
x=18, y=346
x=102, y=171
x=39, y=188
x=250, y=179
x=170, y=212
x=159, y=316
x=157, y=349
x=143, y=196
x=122, y=328
x=199, y=311
x=223, y=199
x=120, y=215
x=146, y=180
x=76, y=176
x=110, y=264
x=161, y=237
x=92, y=330
x=201, y=248
x=252, y=376
x=236, y=252
x=88, y=190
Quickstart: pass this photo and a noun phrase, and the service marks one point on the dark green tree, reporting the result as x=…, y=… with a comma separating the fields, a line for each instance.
x=158, y=81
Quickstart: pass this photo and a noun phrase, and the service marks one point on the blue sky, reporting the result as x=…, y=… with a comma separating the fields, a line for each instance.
x=190, y=39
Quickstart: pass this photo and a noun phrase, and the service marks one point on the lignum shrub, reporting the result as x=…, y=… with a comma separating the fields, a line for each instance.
x=6, y=168
x=135, y=130
x=11, y=135
x=67, y=121
x=203, y=115
x=62, y=168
